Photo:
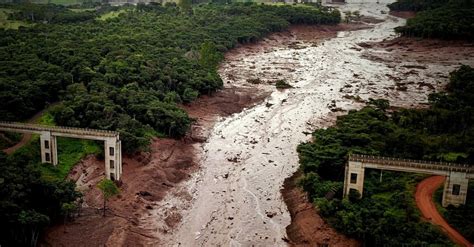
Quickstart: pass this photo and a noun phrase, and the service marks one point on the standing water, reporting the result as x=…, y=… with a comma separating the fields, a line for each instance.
x=236, y=195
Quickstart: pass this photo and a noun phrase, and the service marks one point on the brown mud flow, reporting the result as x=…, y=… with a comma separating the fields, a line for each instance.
x=147, y=178
x=221, y=184
x=236, y=198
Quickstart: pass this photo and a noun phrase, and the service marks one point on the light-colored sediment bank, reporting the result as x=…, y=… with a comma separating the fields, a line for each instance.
x=235, y=197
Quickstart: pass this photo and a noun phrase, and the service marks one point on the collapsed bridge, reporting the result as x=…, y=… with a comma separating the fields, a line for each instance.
x=48, y=143
x=455, y=187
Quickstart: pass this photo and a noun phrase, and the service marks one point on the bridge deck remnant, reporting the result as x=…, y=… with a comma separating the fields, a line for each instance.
x=48, y=143
x=455, y=188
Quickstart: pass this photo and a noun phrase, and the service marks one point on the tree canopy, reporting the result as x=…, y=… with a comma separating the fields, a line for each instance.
x=129, y=73
x=429, y=134
x=438, y=18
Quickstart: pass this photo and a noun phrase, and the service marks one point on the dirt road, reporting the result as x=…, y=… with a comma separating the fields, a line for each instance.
x=424, y=201
x=25, y=137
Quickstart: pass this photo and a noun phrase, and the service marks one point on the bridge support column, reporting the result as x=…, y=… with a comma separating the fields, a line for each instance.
x=49, y=151
x=354, y=177
x=113, y=158
x=455, y=189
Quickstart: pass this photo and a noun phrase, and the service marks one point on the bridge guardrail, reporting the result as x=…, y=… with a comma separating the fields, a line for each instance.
x=61, y=129
x=431, y=165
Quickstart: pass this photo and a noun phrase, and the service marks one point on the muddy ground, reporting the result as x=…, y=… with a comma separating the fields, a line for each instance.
x=154, y=205
x=148, y=176
x=307, y=228
x=146, y=179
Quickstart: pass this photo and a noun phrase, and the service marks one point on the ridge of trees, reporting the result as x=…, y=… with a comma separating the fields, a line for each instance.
x=429, y=134
x=130, y=73
x=416, y=5
x=444, y=19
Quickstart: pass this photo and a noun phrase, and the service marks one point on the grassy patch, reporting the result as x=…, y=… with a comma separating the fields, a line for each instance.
x=82, y=10
x=111, y=14
x=70, y=152
x=46, y=119
x=10, y=24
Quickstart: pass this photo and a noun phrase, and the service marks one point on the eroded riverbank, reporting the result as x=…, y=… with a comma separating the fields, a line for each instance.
x=236, y=195
x=235, y=199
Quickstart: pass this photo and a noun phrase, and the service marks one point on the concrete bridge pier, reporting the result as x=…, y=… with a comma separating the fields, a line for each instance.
x=455, y=189
x=113, y=158
x=49, y=150
x=354, y=177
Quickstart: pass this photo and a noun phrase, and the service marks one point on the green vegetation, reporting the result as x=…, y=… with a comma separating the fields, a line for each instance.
x=28, y=203
x=8, y=139
x=462, y=217
x=5, y=23
x=70, y=152
x=124, y=69
x=111, y=14
x=281, y=84
x=129, y=73
x=108, y=189
x=417, y=5
x=438, y=19
x=429, y=134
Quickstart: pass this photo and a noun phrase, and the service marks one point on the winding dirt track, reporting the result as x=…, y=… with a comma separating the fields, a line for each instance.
x=25, y=137
x=424, y=201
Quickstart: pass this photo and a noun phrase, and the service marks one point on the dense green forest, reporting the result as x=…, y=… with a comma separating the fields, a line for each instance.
x=416, y=5
x=125, y=69
x=29, y=203
x=445, y=19
x=443, y=132
x=130, y=73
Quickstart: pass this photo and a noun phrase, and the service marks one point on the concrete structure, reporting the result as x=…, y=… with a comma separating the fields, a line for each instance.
x=455, y=187
x=48, y=143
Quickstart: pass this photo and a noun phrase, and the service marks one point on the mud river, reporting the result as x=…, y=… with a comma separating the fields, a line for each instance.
x=235, y=199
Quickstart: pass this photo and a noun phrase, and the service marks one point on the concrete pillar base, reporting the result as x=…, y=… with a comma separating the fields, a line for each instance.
x=354, y=177
x=113, y=159
x=49, y=151
x=455, y=189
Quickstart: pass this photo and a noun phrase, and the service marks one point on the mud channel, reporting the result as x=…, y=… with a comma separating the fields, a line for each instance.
x=221, y=185
x=236, y=199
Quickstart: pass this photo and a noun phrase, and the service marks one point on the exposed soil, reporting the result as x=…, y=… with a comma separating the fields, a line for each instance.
x=235, y=198
x=424, y=200
x=25, y=137
x=147, y=177
x=307, y=228
x=403, y=14
x=418, y=50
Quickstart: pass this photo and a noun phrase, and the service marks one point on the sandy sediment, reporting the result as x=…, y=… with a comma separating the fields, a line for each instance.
x=221, y=184
x=147, y=178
